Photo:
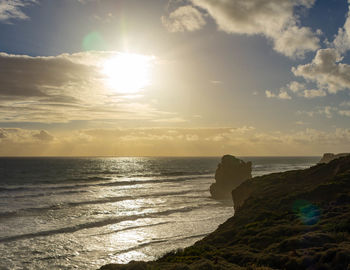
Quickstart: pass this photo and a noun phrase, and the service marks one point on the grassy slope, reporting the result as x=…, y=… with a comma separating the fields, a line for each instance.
x=292, y=220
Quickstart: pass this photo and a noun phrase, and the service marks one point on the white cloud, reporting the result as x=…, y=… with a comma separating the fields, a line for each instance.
x=326, y=70
x=313, y=93
x=281, y=95
x=342, y=40
x=295, y=41
x=296, y=86
x=284, y=95
x=185, y=18
x=297, y=89
x=344, y=112
x=274, y=19
x=327, y=111
x=269, y=94
x=13, y=9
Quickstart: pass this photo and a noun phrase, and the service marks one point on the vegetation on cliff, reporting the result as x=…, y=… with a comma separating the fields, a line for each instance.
x=293, y=220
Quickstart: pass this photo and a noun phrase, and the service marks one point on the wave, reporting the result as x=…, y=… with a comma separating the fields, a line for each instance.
x=8, y=214
x=28, y=211
x=161, y=240
x=151, y=181
x=80, y=179
x=68, y=192
x=133, y=227
x=11, y=189
x=113, y=183
x=97, y=224
x=174, y=173
x=151, y=174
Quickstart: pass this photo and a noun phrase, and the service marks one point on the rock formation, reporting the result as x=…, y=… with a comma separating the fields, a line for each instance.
x=328, y=157
x=231, y=172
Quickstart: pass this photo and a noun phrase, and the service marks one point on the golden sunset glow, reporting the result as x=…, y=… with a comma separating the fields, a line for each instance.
x=128, y=73
x=130, y=130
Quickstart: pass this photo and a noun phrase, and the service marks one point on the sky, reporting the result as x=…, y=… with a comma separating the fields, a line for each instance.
x=174, y=77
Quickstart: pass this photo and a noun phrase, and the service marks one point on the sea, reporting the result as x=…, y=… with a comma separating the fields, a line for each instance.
x=82, y=213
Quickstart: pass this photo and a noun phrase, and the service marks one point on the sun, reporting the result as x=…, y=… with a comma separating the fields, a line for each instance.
x=128, y=73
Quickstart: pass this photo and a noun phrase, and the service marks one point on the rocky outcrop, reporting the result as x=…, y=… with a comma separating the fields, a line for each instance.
x=293, y=220
x=328, y=157
x=231, y=172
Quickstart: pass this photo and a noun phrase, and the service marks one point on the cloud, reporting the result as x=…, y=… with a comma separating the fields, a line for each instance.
x=20, y=136
x=43, y=136
x=274, y=19
x=64, y=88
x=172, y=142
x=296, y=41
x=299, y=89
x=313, y=93
x=26, y=76
x=342, y=39
x=326, y=70
x=327, y=111
x=281, y=95
x=184, y=18
x=344, y=113
x=170, y=120
x=295, y=86
x=13, y=9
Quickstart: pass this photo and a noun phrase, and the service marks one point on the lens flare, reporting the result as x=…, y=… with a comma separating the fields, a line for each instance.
x=93, y=42
x=308, y=213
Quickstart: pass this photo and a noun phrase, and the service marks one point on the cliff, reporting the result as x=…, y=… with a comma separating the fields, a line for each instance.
x=328, y=157
x=293, y=220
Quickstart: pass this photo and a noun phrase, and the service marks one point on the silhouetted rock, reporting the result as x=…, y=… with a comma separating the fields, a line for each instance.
x=328, y=157
x=231, y=172
x=293, y=220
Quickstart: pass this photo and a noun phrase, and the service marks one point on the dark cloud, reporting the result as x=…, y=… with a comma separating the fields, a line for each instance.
x=43, y=136
x=63, y=88
x=26, y=76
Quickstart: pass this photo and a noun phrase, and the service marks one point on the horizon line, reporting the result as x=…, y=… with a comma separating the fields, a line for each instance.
x=161, y=156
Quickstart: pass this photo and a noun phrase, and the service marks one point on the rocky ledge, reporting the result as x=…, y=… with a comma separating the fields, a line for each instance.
x=293, y=220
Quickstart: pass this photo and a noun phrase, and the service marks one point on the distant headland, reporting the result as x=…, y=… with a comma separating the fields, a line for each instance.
x=328, y=157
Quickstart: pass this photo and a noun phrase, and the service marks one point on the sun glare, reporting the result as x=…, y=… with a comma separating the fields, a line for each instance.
x=128, y=73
